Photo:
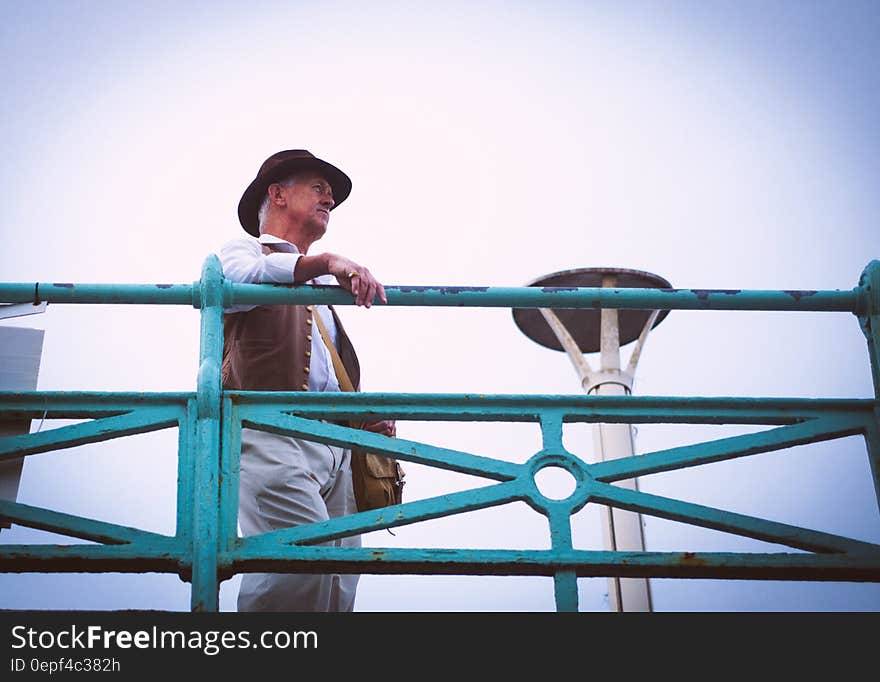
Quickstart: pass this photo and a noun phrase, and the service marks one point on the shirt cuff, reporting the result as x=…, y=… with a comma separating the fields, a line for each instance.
x=279, y=267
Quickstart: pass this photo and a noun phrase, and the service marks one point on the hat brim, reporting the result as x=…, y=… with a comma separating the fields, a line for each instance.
x=249, y=205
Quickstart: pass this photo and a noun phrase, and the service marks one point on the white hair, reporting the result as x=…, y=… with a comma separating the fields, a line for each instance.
x=264, y=207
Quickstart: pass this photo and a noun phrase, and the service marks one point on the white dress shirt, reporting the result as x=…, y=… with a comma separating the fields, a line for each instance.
x=244, y=262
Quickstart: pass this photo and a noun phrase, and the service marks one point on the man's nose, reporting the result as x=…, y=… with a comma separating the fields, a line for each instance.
x=327, y=200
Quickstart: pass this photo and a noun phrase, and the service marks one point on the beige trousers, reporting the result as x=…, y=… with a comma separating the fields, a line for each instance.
x=286, y=482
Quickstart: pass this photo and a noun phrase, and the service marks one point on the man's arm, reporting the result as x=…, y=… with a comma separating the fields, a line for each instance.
x=244, y=262
x=351, y=276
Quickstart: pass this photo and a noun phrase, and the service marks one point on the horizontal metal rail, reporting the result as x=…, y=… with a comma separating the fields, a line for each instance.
x=455, y=406
x=852, y=301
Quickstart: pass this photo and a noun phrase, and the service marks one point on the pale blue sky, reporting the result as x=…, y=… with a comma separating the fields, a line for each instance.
x=717, y=144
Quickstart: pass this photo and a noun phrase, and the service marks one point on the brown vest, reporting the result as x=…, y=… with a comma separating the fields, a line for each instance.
x=268, y=348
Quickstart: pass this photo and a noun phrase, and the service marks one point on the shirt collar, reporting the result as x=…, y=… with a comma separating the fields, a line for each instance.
x=283, y=244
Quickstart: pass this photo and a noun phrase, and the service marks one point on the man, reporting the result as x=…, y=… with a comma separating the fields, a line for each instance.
x=288, y=481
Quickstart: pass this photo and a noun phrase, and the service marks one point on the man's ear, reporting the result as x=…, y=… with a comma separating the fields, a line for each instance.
x=276, y=196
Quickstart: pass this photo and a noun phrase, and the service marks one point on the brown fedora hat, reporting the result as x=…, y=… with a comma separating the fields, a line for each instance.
x=279, y=166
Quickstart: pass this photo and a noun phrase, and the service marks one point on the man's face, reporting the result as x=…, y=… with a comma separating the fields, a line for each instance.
x=309, y=200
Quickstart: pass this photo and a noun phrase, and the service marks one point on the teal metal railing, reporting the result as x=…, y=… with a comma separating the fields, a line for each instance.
x=206, y=549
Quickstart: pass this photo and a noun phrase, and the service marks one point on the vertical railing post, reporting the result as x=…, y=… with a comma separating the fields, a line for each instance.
x=186, y=456
x=565, y=590
x=206, y=512
x=869, y=318
x=230, y=458
x=559, y=517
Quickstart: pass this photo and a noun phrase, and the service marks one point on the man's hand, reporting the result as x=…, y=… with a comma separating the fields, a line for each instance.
x=351, y=276
x=357, y=279
x=385, y=427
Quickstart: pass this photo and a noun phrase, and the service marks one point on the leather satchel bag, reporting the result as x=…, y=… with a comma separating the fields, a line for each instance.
x=377, y=479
